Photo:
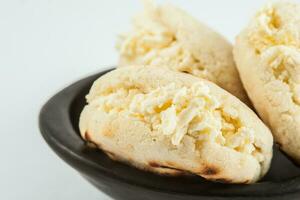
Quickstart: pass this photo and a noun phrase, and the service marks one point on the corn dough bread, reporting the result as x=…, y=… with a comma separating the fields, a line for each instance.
x=175, y=123
x=167, y=36
x=268, y=58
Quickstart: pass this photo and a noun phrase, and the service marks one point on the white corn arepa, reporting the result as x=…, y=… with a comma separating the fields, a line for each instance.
x=174, y=123
x=267, y=53
x=167, y=36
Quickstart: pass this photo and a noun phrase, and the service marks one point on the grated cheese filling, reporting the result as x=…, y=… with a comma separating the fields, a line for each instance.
x=176, y=112
x=269, y=28
x=152, y=43
x=274, y=35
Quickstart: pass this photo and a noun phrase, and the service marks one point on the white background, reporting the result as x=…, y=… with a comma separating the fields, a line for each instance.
x=45, y=45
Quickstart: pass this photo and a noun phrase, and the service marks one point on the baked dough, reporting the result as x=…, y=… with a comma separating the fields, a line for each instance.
x=167, y=36
x=175, y=124
x=268, y=58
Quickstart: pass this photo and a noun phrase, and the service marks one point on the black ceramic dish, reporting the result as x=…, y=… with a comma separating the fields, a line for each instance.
x=59, y=126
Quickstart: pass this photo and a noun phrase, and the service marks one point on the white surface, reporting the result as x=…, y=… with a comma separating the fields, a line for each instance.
x=44, y=45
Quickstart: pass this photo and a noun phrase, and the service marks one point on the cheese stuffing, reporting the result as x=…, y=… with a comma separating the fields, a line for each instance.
x=152, y=43
x=274, y=34
x=176, y=112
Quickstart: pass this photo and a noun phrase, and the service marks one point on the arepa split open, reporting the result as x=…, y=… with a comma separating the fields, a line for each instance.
x=175, y=124
x=166, y=36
